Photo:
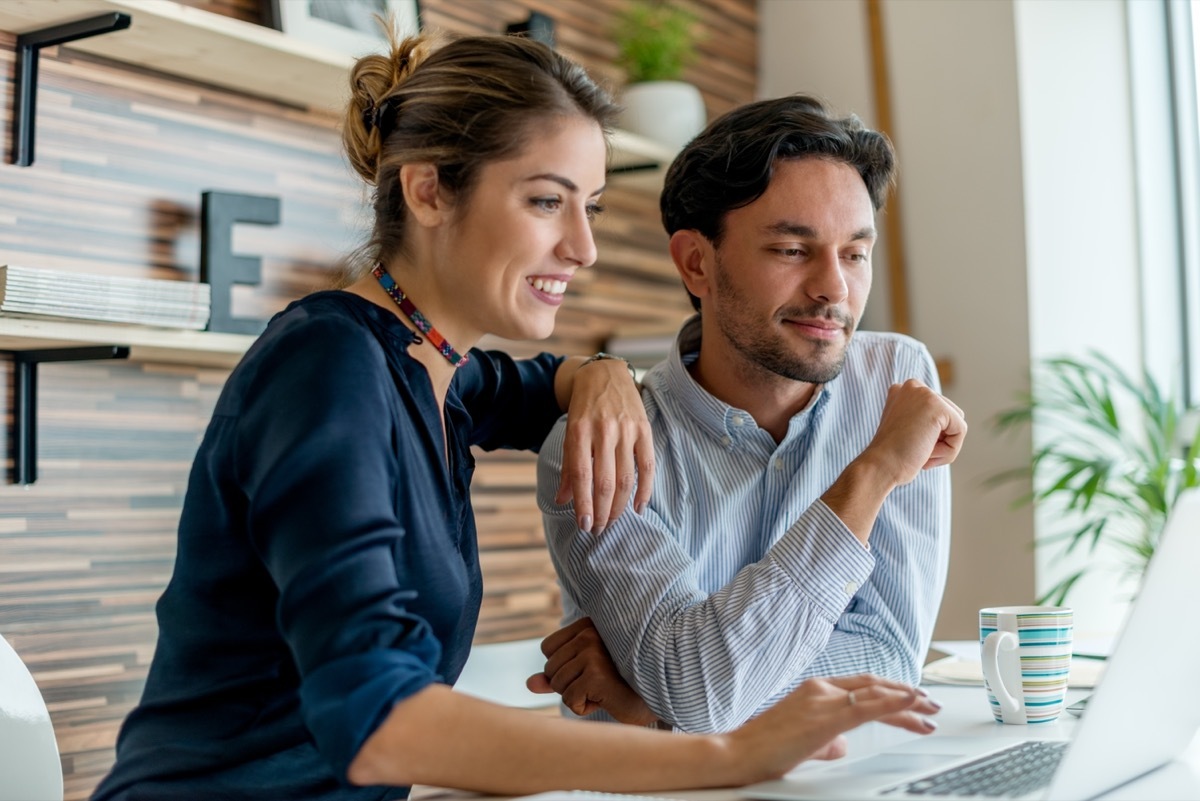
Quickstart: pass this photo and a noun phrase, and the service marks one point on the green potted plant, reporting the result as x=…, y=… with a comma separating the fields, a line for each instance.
x=655, y=41
x=1116, y=456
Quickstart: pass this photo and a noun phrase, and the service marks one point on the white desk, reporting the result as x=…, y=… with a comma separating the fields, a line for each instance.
x=965, y=712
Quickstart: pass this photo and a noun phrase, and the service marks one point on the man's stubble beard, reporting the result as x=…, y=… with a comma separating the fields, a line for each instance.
x=767, y=350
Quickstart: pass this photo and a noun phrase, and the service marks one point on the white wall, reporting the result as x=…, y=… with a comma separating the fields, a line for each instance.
x=1016, y=183
x=1081, y=217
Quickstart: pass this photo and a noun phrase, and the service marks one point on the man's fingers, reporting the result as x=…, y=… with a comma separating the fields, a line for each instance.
x=575, y=699
x=558, y=639
x=538, y=683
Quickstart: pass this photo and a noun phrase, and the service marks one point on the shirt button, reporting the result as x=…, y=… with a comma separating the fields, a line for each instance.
x=737, y=421
x=726, y=441
x=779, y=464
x=851, y=587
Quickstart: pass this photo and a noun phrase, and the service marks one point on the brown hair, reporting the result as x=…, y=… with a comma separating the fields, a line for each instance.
x=458, y=104
x=730, y=164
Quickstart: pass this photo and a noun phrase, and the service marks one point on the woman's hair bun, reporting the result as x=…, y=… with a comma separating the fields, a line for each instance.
x=373, y=80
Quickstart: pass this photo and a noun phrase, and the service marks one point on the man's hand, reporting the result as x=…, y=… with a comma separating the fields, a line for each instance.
x=579, y=669
x=918, y=429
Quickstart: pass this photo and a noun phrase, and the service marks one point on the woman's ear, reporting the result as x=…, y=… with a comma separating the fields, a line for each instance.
x=422, y=194
x=694, y=258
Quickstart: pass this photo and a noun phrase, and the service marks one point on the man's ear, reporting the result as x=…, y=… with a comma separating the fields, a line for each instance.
x=694, y=258
x=419, y=182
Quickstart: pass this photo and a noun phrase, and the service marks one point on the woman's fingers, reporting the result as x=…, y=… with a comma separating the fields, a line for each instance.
x=608, y=448
x=604, y=483
x=644, y=455
x=834, y=749
x=910, y=719
x=626, y=477
x=809, y=721
x=576, y=482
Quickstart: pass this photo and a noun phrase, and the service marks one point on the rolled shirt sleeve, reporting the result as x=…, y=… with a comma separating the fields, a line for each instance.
x=322, y=515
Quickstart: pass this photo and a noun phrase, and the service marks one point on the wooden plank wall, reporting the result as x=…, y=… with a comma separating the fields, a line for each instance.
x=122, y=157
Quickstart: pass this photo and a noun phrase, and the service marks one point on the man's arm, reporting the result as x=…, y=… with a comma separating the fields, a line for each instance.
x=887, y=627
x=707, y=662
x=703, y=662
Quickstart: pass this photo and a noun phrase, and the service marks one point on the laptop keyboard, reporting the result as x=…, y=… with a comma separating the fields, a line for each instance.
x=1013, y=772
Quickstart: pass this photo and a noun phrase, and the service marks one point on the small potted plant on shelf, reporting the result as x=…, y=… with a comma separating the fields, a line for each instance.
x=1117, y=454
x=655, y=41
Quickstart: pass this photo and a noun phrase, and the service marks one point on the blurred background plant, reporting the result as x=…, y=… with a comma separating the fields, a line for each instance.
x=1115, y=453
x=655, y=40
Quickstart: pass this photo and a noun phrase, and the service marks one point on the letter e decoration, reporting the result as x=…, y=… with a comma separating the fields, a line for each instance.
x=219, y=267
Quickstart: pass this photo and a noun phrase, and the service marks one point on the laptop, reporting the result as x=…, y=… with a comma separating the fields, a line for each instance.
x=1135, y=720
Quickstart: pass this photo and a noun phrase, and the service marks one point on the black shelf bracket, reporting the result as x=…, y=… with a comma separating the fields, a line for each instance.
x=25, y=88
x=24, y=433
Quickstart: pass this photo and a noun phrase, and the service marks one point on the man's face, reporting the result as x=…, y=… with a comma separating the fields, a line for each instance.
x=793, y=271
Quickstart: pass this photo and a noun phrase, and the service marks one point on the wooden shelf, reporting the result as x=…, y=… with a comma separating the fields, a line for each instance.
x=212, y=48
x=175, y=346
x=650, y=160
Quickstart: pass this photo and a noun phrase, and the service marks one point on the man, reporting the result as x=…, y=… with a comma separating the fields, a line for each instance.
x=800, y=518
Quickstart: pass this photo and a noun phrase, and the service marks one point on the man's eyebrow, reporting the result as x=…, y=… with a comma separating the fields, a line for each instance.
x=562, y=181
x=807, y=232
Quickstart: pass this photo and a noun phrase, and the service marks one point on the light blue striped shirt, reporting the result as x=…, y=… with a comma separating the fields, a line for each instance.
x=738, y=581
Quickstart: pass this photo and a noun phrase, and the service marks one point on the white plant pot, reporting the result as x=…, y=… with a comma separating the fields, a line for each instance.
x=668, y=112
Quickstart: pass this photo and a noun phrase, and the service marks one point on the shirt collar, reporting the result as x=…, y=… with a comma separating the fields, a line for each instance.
x=722, y=421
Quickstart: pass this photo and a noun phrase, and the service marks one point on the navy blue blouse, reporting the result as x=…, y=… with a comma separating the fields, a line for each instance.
x=327, y=566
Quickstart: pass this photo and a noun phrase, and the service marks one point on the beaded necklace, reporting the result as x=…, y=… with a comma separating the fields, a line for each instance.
x=419, y=320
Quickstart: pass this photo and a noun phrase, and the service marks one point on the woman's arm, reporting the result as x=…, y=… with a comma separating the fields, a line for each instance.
x=447, y=739
x=514, y=403
x=608, y=449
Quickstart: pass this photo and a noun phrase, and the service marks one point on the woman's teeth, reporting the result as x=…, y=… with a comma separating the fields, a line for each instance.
x=550, y=286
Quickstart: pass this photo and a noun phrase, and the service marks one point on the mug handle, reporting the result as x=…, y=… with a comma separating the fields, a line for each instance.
x=1003, y=678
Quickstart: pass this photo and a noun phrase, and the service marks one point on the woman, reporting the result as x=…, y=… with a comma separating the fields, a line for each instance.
x=327, y=582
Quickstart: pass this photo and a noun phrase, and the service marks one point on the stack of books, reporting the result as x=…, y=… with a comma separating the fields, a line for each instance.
x=35, y=292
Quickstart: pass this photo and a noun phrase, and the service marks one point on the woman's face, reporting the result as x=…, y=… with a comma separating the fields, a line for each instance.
x=525, y=230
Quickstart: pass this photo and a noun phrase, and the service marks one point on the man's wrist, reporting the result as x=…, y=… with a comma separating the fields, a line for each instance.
x=858, y=494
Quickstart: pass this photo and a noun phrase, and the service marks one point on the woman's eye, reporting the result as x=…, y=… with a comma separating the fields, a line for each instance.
x=547, y=203
x=594, y=210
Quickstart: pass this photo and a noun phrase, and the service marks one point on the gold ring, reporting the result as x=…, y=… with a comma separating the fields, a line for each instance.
x=850, y=697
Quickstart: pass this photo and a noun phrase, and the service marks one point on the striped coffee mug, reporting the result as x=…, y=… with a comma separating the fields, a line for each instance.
x=1026, y=655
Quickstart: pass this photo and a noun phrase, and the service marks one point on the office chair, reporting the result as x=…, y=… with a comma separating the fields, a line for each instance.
x=30, y=769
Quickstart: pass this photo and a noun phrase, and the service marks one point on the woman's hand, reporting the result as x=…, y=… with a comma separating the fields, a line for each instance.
x=810, y=721
x=608, y=448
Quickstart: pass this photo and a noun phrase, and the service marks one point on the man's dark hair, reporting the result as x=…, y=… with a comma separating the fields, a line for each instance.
x=730, y=164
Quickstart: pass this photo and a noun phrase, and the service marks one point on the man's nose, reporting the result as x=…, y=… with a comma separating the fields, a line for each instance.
x=826, y=281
